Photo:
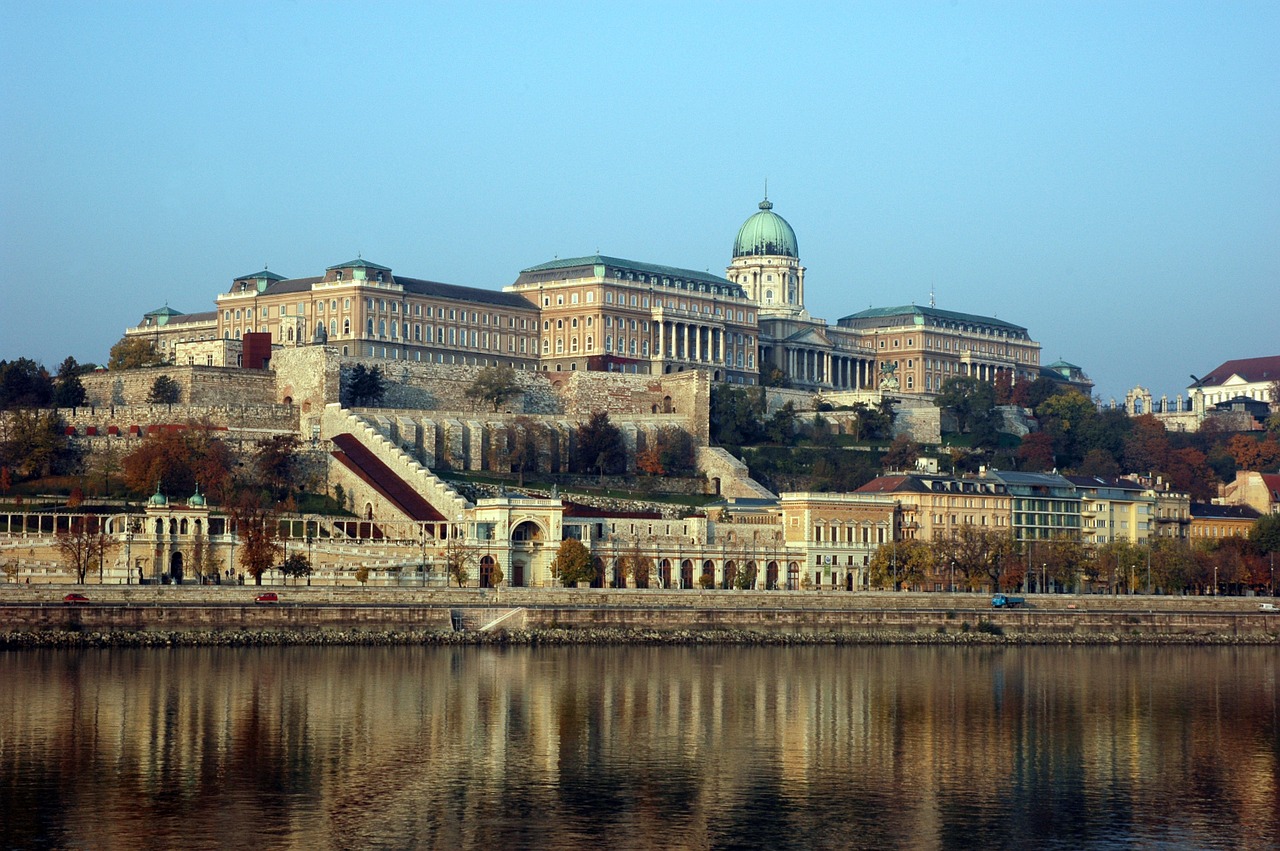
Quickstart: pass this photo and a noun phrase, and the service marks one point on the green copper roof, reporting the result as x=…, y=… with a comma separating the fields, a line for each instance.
x=164, y=311
x=264, y=275
x=931, y=313
x=629, y=265
x=766, y=233
x=358, y=263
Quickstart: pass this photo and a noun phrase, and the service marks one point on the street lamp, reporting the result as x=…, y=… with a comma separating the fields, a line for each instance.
x=128, y=553
x=1215, y=580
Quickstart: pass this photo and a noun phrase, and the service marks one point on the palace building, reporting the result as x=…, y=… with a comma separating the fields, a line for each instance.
x=601, y=313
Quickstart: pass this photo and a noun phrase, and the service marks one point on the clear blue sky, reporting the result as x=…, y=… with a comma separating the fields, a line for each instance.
x=1106, y=174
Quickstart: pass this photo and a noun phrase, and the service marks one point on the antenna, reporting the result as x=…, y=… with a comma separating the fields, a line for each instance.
x=933, y=302
x=766, y=189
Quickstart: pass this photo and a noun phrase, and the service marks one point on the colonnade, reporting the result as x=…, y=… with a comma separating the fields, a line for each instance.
x=829, y=369
x=698, y=343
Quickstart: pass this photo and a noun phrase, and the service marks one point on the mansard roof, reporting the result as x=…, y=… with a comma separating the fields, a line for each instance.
x=615, y=265
x=920, y=316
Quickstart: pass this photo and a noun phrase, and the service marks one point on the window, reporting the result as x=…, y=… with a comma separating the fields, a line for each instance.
x=573, y=298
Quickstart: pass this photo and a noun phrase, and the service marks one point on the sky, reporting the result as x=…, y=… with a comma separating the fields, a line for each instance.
x=1105, y=174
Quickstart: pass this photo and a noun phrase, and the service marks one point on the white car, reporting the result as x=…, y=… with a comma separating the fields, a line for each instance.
x=1268, y=607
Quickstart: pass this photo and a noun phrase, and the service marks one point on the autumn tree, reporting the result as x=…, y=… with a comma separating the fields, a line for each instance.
x=572, y=563
x=521, y=451
x=671, y=452
x=1119, y=564
x=275, y=462
x=258, y=531
x=178, y=459
x=982, y=555
x=901, y=563
x=83, y=545
x=134, y=353
x=636, y=564
x=1172, y=565
x=901, y=454
x=1066, y=417
x=1252, y=454
x=34, y=444
x=494, y=385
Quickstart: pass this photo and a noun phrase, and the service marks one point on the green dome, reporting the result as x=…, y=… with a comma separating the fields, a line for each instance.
x=157, y=498
x=197, y=499
x=766, y=233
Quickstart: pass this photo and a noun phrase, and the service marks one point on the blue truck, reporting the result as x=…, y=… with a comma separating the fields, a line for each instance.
x=1004, y=601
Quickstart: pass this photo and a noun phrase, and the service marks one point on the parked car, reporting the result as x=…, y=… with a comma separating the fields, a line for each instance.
x=75, y=599
x=1268, y=607
x=267, y=597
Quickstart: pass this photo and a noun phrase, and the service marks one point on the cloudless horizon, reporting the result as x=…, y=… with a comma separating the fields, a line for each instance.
x=1105, y=174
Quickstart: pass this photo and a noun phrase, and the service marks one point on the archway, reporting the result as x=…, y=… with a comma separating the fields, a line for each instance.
x=848, y=581
x=708, y=577
x=175, y=568
x=664, y=573
x=730, y=574
x=488, y=566
x=793, y=576
x=771, y=577
x=597, y=572
x=686, y=573
x=619, y=580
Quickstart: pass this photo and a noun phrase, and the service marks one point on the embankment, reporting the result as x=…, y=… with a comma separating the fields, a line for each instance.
x=166, y=615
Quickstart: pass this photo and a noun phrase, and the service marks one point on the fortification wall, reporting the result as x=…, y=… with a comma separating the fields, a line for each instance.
x=200, y=385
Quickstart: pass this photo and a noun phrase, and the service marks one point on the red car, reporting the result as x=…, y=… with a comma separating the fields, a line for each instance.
x=268, y=597
x=75, y=599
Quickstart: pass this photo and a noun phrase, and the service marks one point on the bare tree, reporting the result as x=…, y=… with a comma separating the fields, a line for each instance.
x=83, y=544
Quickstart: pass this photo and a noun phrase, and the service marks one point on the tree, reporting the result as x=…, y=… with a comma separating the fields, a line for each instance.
x=134, y=353
x=1265, y=534
x=1035, y=454
x=781, y=427
x=982, y=555
x=670, y=453
x=34, y=444
x=296, y=566
x=1252, y=454
x=494, y=386
x=737, y=415
x=523, y=435
x=1120, y=563
x=68, y=391
x=164, y=391
x=1172, y=564
x=572, y=563
x=178, y=459
x=1098, y=462
x=901, y=563
x=362, y=574
x=1065, y=418
x=968, y=399
x=24, y=384
x=902, y=453
x=458, y=558
x=364, y=387
x=83, y=544
x=258, y=529
x=599, y=446
x=275, y=463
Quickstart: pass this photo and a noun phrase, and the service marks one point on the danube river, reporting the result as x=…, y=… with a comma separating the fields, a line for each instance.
x=636, y=747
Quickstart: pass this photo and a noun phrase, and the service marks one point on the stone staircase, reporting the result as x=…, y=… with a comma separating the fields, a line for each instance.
x=442, y=496
x=486, y=620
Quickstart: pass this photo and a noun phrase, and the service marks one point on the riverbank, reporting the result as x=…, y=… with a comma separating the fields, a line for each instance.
x=165, y=616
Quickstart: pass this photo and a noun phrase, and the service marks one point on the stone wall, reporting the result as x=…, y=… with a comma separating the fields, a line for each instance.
x=308, y=378
x=729, y=475
x=429, y=386
x=250, y=421
x=200, y=385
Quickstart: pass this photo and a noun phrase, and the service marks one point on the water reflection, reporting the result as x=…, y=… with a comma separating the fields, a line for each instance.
x=709, y=747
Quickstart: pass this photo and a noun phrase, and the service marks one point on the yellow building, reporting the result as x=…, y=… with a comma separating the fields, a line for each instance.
x=1114, y=510
x=935, y=508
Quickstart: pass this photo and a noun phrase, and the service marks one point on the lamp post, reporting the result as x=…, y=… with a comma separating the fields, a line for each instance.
x=1215, y=580
x=1044, y=572
x=128, y=553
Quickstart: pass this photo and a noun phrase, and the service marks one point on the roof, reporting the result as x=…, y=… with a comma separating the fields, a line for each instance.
x=358, y=263
x=461, y=293
x=766, y=234
x=1252, y=370
x=192, y=318
x=265, y=274
x=1104, y=482
x=1209, y=511
x=1050, y=480
x=931, y=313
x=632, y=265
x=164, y=311
x=894, y=484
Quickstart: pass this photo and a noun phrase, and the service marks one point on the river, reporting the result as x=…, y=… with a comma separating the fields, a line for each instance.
x=639, y=747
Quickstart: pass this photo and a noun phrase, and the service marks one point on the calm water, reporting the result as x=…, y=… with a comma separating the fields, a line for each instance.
x=703, y=747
